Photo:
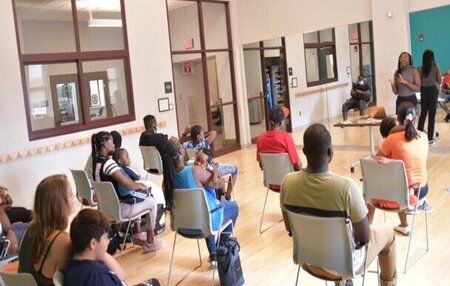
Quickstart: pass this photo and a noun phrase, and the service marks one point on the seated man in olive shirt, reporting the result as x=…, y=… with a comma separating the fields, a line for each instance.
x=316, y=187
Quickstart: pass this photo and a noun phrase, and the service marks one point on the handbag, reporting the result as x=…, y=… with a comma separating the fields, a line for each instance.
x=229, y=263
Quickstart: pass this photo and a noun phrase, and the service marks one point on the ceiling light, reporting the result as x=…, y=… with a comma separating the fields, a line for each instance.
x=104, y=23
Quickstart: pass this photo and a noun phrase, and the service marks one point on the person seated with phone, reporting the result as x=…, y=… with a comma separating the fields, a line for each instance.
x=360, y=97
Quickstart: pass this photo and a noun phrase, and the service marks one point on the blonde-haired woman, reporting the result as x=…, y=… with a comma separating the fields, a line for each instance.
x=46, y=245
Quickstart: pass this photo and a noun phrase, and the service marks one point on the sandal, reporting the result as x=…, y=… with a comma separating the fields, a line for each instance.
x=139, y=240
x=151, y=246
x=141, y=236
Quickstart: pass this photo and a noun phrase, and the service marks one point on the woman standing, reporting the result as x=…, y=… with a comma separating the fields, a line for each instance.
x=46, y=245
x=106, y=169
x=430, y=76
x=406, y=81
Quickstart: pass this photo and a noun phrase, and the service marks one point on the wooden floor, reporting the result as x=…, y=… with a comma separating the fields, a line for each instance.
x=267, y=258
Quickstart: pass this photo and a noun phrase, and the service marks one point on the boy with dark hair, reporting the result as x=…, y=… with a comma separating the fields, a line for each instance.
x=91, y=264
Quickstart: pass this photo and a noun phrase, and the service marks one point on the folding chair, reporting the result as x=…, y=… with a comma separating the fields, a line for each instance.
x=388, y=182
x=192, y=219
x=85, y=192
x=324, y=243
x=4, y=247
x=108, y=202
x=152, y=160
x=275, y=167
x=18, y=279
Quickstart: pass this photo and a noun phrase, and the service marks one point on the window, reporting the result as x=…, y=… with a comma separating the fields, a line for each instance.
x=320, y=57
x=75, y=65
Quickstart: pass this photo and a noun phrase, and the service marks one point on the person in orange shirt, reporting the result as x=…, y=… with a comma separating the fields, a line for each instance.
x=446, y=91
x=410, y=146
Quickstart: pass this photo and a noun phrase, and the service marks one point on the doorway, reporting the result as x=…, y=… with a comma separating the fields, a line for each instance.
x=361, y=54
x=266, y=78
x=203, y=69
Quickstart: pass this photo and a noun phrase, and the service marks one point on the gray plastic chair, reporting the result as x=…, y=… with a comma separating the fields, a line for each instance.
x=152, y=160
x=18, y=279
x=388, y=181
x=312, y=246
x=108, y=203
x=58, y=278
x=85, y=191
x=191, y=212
x=275, y=167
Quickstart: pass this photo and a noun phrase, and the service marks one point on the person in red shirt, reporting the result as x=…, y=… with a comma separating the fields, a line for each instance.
x=276, y=140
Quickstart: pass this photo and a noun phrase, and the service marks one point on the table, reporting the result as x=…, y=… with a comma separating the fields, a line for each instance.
x=362, y=121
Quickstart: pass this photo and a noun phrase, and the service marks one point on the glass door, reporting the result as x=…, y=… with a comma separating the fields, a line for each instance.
x=266, y=78
x=203, y=68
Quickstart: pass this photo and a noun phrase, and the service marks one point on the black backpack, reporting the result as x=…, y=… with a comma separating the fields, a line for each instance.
x=229, y=263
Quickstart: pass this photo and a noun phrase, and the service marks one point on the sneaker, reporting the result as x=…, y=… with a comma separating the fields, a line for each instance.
x=425, y=208
x=349, y=282
x=422, y=208
x=447, y=118
x=151, y=282
x=151, y=246
x=212, y=259
x=432, y=142
x=405, y=230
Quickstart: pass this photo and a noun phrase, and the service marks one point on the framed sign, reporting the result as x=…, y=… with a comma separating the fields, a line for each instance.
x=163, y=104
x=168, y=87
x=187, y=68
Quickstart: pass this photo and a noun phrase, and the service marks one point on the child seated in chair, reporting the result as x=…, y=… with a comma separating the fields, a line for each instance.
x=123, y=160
x=91, y=264
x=204, y=158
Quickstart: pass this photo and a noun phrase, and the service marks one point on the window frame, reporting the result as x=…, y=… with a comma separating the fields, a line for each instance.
x=77, y=57
x=318, y=46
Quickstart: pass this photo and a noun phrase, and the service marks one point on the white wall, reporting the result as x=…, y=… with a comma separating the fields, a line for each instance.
x=267, y=19
x=314, y=107
x=150, y=67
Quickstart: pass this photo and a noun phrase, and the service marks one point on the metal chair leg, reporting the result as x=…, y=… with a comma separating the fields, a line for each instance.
x=298, y=273
x=262, y=216
x=410, y=239
x=171, y=262
x=126, y=234
x=426, y=228
x=171, y=258
x=264, y=209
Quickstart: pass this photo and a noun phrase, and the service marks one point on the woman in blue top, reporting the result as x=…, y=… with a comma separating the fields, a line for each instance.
x=178, y=175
